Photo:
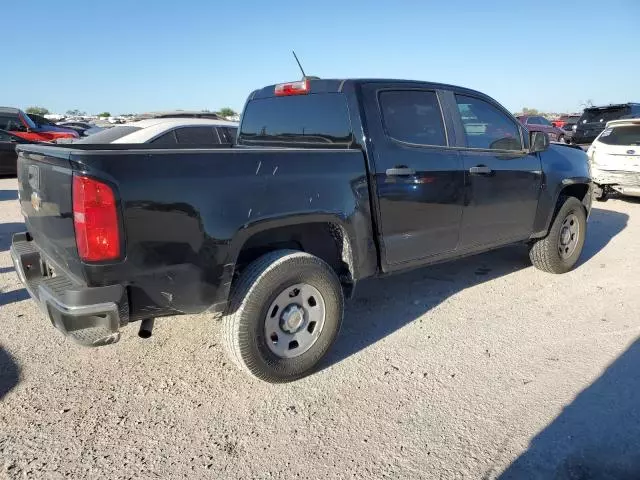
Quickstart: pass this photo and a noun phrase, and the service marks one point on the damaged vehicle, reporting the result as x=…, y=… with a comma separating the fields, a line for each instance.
x=614, y=157
x=330, y=182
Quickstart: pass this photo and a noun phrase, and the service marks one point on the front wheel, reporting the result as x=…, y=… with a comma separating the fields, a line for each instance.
x=284, y=314
x=561, y=139
x=559, y=251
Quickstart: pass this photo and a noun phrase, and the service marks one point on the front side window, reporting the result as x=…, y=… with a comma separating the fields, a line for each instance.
x=487, y=127
x=197, y=136
x=413, y=116
x=532, y=121
x=544, y=121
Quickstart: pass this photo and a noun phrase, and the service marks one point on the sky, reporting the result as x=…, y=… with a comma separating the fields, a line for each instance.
x=143, y=55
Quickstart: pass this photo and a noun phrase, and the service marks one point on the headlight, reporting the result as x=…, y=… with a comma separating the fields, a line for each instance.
x=574, y=128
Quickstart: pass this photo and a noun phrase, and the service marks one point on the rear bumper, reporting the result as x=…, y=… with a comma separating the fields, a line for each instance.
x=627, y=183
x=91, y=316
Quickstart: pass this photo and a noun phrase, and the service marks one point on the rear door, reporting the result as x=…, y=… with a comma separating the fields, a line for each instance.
x=419, y=180
x=503, y=179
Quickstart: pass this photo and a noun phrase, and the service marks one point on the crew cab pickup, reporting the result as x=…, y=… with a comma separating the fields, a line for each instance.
x=331, y=182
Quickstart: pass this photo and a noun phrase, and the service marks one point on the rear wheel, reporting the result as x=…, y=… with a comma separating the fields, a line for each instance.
x=559, y=251
x=284, y=314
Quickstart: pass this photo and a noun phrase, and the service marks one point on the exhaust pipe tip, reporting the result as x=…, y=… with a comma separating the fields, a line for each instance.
x=146, y=328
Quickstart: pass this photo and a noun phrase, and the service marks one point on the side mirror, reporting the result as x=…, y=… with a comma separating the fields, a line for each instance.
x=538, y=141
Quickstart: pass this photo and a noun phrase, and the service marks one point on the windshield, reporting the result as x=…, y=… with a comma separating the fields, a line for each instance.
x=623, y=135
x=110, y=134
x=603, y=115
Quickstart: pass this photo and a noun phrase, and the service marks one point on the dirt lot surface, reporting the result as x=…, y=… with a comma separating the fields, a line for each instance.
x=481, y=368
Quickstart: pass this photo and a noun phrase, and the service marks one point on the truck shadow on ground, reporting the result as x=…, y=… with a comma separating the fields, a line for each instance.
x=382, y=306
x=597, y=436
x=8, y=195
x=6, y=233
x=9, y=373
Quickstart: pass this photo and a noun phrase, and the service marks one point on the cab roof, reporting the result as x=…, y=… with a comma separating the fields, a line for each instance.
x=339, y=85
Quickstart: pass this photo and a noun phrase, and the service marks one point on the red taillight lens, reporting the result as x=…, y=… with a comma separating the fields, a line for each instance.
x=95, y=219
x=294, y=88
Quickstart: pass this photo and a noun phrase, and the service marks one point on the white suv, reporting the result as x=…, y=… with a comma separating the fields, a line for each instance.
x=614, y=157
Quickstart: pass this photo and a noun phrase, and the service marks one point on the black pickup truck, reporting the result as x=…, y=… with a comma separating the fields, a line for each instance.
x=331, y=181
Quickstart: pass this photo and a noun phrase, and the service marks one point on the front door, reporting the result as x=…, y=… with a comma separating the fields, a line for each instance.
x=503, y=179
x=419, y=180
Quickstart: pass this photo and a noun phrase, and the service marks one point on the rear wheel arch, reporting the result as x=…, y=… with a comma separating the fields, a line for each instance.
x=327, y=238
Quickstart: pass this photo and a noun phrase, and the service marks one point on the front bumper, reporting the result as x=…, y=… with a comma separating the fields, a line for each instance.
x=91, y=316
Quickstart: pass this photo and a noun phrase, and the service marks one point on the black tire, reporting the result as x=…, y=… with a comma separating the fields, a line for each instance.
x=545, y=254
x=250, y=300
x=561, y=139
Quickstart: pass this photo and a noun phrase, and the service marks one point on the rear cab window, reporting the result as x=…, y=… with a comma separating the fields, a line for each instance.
x=318, y=120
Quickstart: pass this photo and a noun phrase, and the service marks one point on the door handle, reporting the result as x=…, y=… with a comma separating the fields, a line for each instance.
x=480, y=170
x=400, y=171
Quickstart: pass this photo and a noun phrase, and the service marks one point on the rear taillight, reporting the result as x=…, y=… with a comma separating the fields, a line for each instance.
x=95, y=219
x=293, y=88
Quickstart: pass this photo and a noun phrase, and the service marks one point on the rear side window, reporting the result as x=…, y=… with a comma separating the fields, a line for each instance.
x=627, y=135
x=315, y=120
x=197, y=136
x=413, y=116
x=487, y=127
x=109, y=135
x=227, y=134
x=166, y=140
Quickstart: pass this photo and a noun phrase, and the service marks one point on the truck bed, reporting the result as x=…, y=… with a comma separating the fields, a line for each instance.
x=186, y=213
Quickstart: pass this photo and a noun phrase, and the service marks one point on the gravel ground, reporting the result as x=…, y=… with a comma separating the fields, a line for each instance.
x=481, y=368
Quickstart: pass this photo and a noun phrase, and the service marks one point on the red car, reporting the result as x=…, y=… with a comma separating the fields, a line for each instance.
x=15, y=121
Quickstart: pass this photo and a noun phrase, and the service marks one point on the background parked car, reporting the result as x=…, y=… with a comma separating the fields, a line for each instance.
x=169, y=132
x=44, y=123
x=80, y=127
x=17, y=122
x=536, y=123
x=564, y=119
x=615, y=158
x=8, y=155
x=594, y=119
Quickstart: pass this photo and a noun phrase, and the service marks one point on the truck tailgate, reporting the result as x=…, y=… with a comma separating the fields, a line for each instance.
x=45, y=180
